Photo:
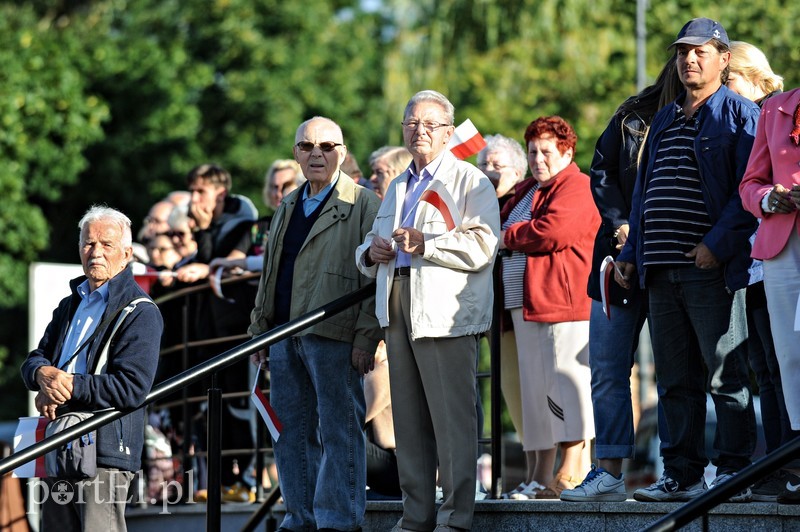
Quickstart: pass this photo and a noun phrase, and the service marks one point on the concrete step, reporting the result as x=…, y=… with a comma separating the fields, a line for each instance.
x=502, y=516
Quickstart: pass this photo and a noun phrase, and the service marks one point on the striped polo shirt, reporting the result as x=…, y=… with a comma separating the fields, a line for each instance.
x=514, y=265
x=675, y=214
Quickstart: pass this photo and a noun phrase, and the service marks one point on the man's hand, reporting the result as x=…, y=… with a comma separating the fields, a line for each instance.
x=192, y=272
x=380, y=251
x=54, y=384
x=44, y=406
x=259, y=357
x=409, y=240
x=362, y=361
x=622, y=235
x=628, y=272
x=703, y=258
x=201, y=216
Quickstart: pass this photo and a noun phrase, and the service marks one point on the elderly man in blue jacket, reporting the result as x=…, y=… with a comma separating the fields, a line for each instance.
x=689, y=243
x=70, y=373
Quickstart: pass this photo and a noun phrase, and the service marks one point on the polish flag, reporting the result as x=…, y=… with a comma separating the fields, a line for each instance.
x=440, y=199
x=30, y=430
x=466, y=140
x=265, y=409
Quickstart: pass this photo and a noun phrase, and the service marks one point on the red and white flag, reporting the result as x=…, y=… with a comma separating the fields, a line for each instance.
x=265, y=409
x=439, y=198
x=466, y=140
x=30, y=430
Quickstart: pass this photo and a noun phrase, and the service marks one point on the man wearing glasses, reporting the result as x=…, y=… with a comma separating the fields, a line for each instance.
x=317, y=391
x=431, y=249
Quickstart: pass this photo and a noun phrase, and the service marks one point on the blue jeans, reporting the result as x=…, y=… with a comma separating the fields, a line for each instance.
x=321, y=456
x=700, y=329
x=612, y=344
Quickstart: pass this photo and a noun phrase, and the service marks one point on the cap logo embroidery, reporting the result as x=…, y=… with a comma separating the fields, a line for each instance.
x=716, y=34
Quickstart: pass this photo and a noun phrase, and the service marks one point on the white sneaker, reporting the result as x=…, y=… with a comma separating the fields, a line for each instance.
x=745, y=495
x=518, y=489
x=599, y=485
x=529, y=493
x=480, y=492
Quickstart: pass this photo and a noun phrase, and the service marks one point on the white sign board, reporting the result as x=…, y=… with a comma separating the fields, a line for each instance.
x=49, y=284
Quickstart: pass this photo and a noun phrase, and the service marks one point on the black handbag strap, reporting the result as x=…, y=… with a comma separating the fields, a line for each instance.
x=94, y=334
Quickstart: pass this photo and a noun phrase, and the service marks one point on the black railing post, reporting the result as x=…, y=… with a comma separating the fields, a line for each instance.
x=188, y=429
x=213, y=458
x=494, y=350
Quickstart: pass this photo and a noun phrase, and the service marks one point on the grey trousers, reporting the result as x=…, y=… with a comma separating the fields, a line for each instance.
x=87, y=505
x=432, y=384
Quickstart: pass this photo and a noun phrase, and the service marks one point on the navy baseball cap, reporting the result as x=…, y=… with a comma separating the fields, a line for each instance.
x=699, y=31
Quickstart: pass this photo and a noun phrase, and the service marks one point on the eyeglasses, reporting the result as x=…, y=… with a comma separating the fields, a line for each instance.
x=496, y=167
x=430, y=127
x=324, y=146
x=153, y=220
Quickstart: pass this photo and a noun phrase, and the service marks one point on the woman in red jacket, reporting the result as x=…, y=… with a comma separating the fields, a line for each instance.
x=549, y=229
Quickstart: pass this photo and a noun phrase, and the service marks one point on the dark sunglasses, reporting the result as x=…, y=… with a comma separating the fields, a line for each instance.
x=324, y=146
x=176, y=234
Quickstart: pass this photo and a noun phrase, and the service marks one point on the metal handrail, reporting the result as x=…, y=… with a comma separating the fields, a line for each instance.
x=230, y=357
x=188, y=377
x=699, y=506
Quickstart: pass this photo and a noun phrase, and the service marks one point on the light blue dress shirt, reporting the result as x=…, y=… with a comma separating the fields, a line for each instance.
x=417, y=184
x=309, y=204
x=88, y=315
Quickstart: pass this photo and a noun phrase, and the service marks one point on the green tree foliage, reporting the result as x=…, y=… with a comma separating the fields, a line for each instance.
x=48, y=121
x=227, y=81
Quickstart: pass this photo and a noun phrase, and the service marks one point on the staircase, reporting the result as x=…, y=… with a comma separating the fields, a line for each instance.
x=503, y=516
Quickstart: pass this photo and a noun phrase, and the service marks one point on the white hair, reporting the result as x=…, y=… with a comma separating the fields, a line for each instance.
x=514, y=149
x=433, y=97
x=104, y=213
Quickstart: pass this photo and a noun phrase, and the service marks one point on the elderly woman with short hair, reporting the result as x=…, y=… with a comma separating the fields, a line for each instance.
x=549, y=225
x=504, y=163
x=387, y=162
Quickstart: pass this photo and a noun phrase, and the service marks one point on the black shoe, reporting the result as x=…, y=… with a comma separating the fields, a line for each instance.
x=768, y=488
x=791, y=493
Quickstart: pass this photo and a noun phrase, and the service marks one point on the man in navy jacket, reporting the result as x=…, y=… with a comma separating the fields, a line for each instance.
x=689, y=243
x=64, y=371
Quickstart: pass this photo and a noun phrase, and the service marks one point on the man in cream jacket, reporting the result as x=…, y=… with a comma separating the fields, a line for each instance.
x=431, y=250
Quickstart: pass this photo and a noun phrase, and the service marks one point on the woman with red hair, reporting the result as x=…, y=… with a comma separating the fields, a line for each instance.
x=548, y=231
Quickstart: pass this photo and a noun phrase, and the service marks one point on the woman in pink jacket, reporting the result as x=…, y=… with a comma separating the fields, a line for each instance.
x=770, y=190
